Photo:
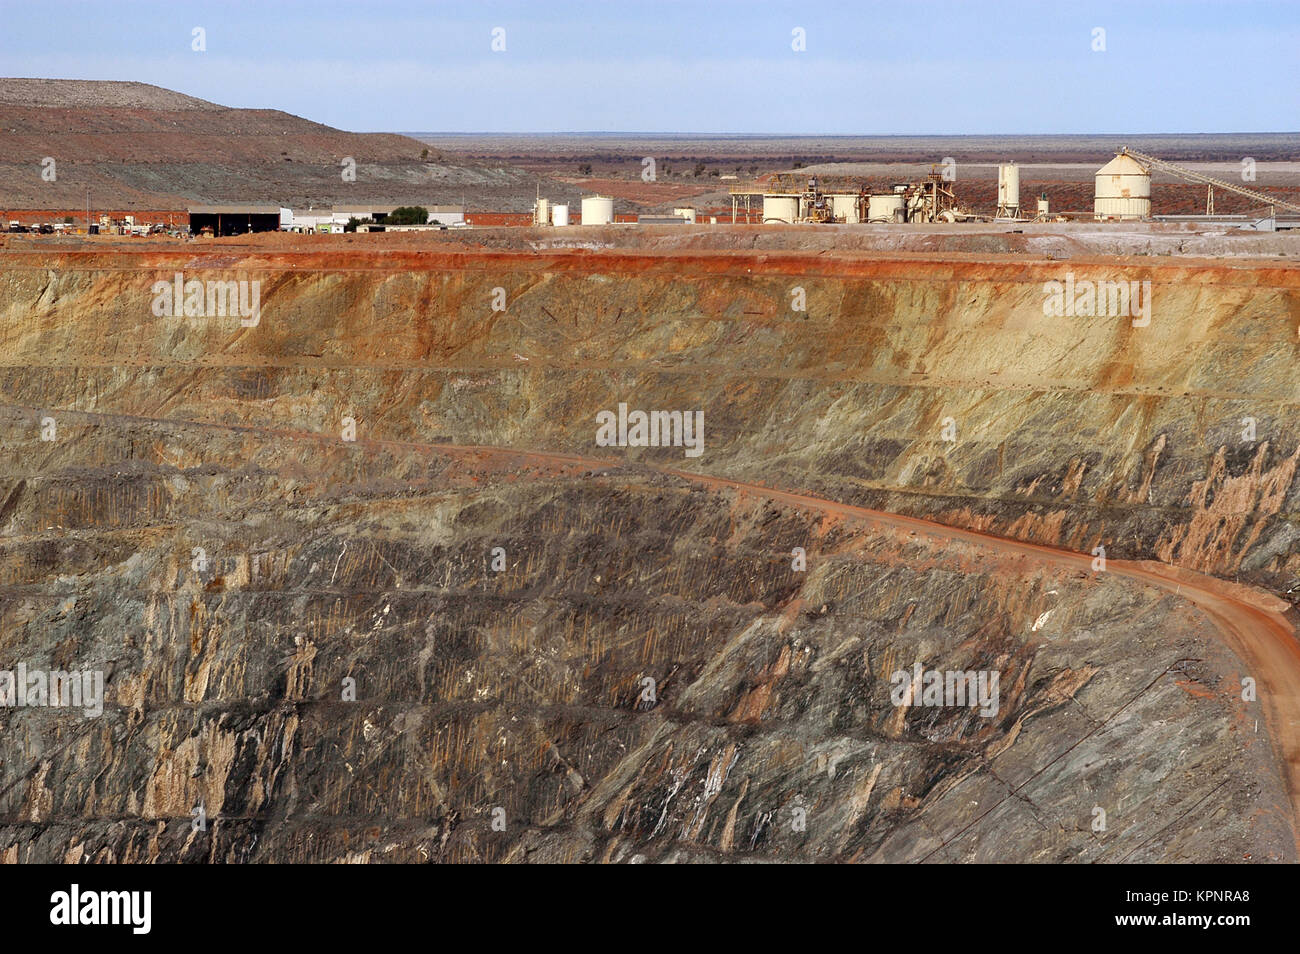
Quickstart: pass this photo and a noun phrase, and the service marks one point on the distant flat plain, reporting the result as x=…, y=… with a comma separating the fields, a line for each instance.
x=598, y=161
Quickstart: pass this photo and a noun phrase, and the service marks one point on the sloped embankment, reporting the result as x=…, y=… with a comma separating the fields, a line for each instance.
x=524, y=689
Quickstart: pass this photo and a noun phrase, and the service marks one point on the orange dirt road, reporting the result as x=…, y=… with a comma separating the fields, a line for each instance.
x=1250, y=622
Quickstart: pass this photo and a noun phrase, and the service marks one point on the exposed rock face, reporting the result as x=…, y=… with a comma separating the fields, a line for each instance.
x=201, y=528
x=1230, y=513
x=1075, y=431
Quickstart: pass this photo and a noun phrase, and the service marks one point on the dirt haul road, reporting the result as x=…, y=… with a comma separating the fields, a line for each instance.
x=1251, y=623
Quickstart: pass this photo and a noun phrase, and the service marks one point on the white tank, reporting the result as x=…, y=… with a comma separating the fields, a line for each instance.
x=559, y=215
x=885, y=208
x=1123, y=190
x=686, y=213
x=780, y=208
x=1008, y=190
x=542, y=212
x=844, y=207
x=597, y=210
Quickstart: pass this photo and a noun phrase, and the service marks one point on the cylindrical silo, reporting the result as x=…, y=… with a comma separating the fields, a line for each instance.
x=844, y=207
x=1123, y=189
x=542, y=212
x=780, y=208
x=559, y=215
x=1008, y=191
x=597, y=210
x=686, y=213
x=885, y=208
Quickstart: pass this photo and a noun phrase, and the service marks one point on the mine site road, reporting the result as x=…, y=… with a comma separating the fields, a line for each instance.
x=1251, y=623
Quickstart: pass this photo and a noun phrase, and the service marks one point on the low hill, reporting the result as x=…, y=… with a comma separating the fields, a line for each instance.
x=140, y=146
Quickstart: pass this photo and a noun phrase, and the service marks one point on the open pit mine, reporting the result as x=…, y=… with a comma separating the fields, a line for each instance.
x=748, y=545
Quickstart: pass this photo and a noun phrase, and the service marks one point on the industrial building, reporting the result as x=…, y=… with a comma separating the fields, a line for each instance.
x=1263, y=218
x=1122, y=194
x=237, y=219
x=446, y=215
x=930, y=200
x=310, y=220
x=337, y=218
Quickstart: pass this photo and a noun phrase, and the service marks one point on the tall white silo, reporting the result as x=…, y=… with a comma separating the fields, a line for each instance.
x=1123, y=190
x=1008, y=191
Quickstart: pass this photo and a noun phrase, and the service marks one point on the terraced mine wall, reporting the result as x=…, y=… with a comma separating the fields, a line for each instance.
x=939, y=389
x=337, y=631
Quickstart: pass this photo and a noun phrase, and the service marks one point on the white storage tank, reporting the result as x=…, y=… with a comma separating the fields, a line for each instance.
x=1008, y=190
x=597, y=210
x=885, y=208
x=780, y=208
x=1123, y=190
x=844, y=207
x=686, y=213
x=559, y=215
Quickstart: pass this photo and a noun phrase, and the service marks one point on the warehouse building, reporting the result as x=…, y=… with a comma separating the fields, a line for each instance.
x=237, y=219
x=337, y=218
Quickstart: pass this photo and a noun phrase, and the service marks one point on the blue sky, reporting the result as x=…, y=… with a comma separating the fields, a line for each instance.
x=869, y=68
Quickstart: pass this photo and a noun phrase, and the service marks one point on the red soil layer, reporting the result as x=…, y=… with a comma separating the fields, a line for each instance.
x=275, y=251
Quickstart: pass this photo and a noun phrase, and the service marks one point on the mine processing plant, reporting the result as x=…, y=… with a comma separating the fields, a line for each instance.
x=1122, y=193
x=930, y=200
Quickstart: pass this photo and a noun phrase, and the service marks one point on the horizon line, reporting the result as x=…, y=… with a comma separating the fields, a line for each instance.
x=754, y=135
